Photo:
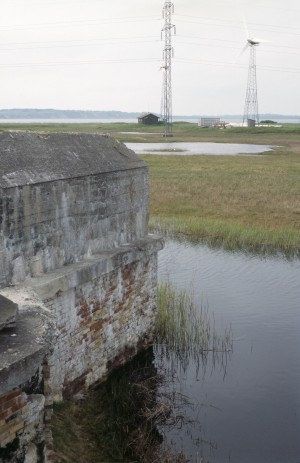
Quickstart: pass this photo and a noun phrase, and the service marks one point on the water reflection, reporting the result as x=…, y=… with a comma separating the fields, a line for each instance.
x=250, y=413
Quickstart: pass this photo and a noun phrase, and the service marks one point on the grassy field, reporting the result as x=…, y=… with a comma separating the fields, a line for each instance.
x=182, y=131
x=238, y=200
x=242, y=201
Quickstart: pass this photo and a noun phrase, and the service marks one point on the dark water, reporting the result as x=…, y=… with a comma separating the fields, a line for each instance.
x=247, y=409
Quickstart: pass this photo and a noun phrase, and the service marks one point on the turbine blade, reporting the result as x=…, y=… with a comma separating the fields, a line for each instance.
x=242, y=51
x=246, y=29
x=257, y=39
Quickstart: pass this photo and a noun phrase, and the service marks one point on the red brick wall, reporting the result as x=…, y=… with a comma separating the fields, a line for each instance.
x=13, y=409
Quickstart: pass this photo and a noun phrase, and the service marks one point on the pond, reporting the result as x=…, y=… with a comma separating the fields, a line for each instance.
x=194, y=148
x=247, y=409
x=242, y=406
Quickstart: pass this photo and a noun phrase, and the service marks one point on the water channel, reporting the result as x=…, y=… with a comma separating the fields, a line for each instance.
x=192, y=148
x=246, y=410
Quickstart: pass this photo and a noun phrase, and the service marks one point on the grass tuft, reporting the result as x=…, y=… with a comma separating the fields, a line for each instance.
x=184, y=329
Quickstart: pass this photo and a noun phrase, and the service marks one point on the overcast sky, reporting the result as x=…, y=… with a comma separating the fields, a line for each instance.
x=106, y=55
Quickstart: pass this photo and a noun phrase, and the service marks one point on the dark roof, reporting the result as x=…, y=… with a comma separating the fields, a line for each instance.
x=147, y=114
x=28, y=158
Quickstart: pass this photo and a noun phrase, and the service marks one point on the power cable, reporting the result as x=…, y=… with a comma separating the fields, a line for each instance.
x=89, y=22
x=45, y=47
x=222, y=63
x=80, y=62
x=236, y=26
x=238, y=23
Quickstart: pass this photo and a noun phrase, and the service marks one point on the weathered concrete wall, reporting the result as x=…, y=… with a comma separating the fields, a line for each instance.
x=77, y=262
x=56, y=222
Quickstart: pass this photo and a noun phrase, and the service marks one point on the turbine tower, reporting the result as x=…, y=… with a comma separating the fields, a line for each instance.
x=168, y=10
x=251, y=116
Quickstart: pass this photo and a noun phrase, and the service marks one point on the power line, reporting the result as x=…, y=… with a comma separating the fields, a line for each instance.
x=134, y=40
x=137, y=38
x=236, y=26
x=226, y=64
x=89, y=22
x=80, y=62
x=52, y=2
x=202, y=62
x=74, y=45
x=238, y=23
x=258, y=5
x=238, y=48
x=213, y=39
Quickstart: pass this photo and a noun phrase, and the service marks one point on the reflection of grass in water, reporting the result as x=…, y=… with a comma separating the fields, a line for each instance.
x=186, y=333
x=185, y=330
x=118, y=421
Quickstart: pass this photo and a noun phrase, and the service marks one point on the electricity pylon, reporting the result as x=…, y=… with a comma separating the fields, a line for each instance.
x=168, y=10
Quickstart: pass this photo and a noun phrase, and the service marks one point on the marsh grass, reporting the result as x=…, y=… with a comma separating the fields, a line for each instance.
x=185, y=330
x=241, y=201
x=230, y=237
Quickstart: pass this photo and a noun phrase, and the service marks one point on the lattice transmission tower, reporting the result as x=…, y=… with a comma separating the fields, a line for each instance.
x=251, y=116
x=168, y=10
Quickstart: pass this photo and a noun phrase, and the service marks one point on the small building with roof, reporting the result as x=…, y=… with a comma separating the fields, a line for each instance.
x=148, y=119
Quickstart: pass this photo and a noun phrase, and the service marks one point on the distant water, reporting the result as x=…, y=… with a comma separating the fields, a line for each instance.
x=194, y=148
x=130, y=121
x=65, y=121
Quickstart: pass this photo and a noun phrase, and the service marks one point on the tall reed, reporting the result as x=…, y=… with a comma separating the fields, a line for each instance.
x=186, y=330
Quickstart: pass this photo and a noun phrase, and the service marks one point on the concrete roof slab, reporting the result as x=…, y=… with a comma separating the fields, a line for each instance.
x=29, y=158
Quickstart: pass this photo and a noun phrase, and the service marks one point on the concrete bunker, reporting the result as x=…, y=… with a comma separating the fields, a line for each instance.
x=78, y=275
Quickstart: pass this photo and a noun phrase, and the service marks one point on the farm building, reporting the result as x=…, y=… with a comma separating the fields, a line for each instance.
x=209, y=121
x=148, y=119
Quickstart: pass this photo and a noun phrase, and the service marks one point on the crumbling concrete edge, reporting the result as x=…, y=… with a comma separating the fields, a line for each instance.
x=17, y=365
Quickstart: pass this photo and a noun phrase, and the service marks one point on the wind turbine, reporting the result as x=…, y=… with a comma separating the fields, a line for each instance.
x=251, y=116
